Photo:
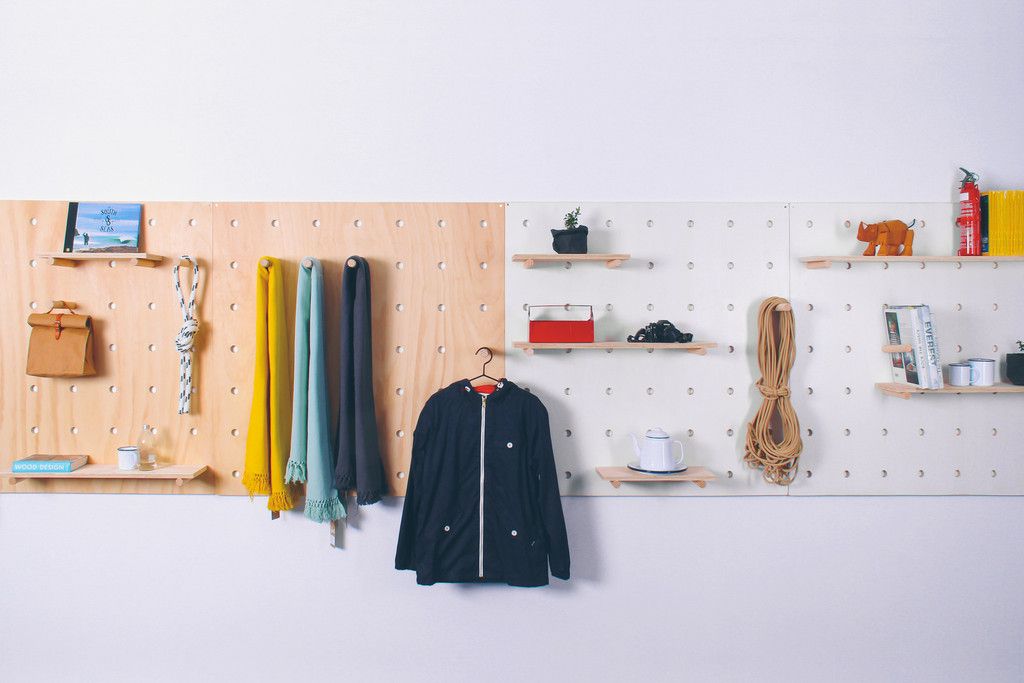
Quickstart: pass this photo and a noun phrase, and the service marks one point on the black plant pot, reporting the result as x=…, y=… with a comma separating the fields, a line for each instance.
x=1015, y=367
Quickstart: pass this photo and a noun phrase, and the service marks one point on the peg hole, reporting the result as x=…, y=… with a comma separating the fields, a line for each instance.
x=151, y=222
x=689, y=265
x=74, y=430
x=650, y=391
x=275, y=223
x=33, y=388
x=234, y=265
x=846, y=474
x=442, y=265
x=483, y=224
x=483, y=265
x=113, y=430
x=689, y=432
x=400, y=433
x=690, y=223
x=234, y=222
x=112, y=305
x=568, y=433
x=608, y=433
x=358, y=222
x=441, y=349
x=112, y=347
x=33, y=221
x=399, y=307
x=442, y=223
x=194, y=431
x=234, y=348
x=234, y=391
x=34, y=430
x=399, y=265
x=689, y=307
x=483, y=308
x=399, y=349
x=400, y=391
x=234, y=432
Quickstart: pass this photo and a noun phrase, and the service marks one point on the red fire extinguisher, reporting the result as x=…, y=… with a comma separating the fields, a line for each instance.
x=970, y=215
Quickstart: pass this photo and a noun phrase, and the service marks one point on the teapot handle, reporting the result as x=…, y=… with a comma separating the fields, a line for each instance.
x=682, y=454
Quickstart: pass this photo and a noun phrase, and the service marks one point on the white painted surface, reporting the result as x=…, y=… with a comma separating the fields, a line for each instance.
x=733, y=101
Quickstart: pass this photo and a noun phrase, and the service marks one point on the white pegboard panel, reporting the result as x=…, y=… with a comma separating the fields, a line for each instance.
x=859, y=441
x=706, y=267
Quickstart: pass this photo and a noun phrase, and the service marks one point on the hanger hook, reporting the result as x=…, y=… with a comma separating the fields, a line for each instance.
x=490, y=356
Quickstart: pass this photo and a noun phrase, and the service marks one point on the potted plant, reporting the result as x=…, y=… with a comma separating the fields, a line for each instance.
x=573, y=239
x=1015, y=364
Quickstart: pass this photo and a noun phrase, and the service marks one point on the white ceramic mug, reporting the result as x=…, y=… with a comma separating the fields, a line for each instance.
x=959, y=374
x=983, y=372
x=127, y=458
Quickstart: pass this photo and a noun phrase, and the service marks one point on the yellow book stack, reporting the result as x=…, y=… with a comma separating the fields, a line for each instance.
x=1005, y=222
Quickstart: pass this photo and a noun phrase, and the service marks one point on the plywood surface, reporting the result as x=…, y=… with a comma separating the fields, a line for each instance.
x=438, y=294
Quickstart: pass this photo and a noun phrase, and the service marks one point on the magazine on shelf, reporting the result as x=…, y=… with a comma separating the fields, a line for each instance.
x=913, y=326
x=49, y=463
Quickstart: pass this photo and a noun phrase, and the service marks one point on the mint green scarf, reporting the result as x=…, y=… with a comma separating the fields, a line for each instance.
x=311, y=459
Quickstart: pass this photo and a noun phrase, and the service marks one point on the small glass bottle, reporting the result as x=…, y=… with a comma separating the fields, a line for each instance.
x=147, y=448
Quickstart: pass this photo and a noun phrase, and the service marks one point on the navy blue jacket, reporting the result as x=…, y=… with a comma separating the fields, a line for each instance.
x=482, y=502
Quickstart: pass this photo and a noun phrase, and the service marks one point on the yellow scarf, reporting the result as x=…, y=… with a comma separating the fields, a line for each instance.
x=266, y=446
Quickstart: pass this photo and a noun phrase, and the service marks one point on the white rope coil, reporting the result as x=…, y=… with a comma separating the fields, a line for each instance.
x=185, y=339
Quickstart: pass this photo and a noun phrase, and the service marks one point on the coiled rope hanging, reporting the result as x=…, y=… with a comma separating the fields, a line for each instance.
x=776, y=351
x=186, y=336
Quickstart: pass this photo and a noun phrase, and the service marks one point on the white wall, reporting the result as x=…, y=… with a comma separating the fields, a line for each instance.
x=810, y=101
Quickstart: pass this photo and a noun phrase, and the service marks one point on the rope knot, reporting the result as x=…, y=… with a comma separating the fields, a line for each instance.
x=773, y=392
x=186, y=335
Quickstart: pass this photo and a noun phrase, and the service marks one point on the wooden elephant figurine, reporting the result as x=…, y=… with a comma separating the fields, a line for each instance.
x=886, y=238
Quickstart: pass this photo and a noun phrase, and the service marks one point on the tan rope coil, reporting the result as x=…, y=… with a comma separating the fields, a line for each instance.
x=776, y=351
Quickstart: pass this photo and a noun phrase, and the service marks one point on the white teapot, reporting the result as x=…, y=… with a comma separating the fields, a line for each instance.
x=655, y=454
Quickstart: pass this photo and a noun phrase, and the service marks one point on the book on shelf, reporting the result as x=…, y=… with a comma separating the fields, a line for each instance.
x=913, y=326
x=49, y=463
x=1002, y=223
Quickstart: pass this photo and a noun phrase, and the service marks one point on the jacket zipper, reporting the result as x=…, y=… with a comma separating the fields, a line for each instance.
x=483, y=424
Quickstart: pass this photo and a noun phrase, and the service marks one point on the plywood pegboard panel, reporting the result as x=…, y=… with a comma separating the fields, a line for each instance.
x=438, y=294
x=437, y=290
x=136, y=317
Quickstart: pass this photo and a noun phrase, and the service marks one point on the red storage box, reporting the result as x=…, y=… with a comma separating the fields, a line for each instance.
x=566, y=323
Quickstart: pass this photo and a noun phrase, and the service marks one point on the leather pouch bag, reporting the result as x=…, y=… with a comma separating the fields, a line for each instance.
x=60, y=345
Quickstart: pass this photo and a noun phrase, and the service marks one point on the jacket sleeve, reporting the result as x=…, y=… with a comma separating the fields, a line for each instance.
x=405, y=556
x=550, y=502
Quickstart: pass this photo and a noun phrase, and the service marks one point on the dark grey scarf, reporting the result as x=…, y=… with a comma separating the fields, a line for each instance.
x=359, y=463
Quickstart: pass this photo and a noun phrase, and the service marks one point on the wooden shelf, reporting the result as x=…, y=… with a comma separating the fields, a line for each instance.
x=700, y=476
x=906, y=390
x=699, y=348
x=59, y=258
x=530, y=260
x=816, y=262
x=179, y=473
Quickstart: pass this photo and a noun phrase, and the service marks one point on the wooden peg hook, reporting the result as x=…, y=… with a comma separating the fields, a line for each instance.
x=307, y=263
x=58, y=303
x=265, y=263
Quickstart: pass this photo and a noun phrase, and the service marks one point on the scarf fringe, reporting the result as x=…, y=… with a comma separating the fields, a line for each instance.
x=295, y=472
x=325, y=509
x=256, y=483
x=368, y=497
x=279, y=501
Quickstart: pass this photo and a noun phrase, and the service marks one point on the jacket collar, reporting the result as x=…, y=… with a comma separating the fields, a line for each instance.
x=503, y=388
